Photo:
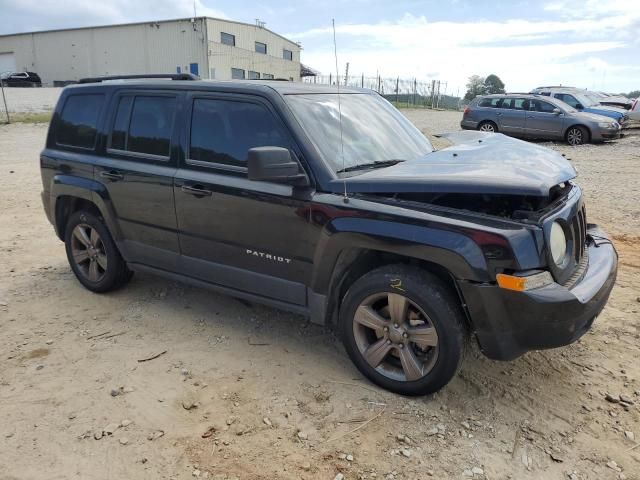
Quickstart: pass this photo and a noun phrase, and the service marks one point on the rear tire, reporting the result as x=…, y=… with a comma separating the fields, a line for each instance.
x=93, y=255
x=577, y=136
x=488, y=127
x=403, y=329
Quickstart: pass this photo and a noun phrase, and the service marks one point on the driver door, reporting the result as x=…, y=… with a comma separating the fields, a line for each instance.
x=248, y=235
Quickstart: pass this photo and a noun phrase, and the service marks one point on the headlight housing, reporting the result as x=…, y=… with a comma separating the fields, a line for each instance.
x=607, y=124
x=558, y=244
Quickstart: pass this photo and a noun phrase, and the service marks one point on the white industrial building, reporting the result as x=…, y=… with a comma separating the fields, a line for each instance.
x=209, y=47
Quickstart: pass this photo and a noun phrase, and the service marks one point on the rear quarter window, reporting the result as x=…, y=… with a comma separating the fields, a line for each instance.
x=78, y=121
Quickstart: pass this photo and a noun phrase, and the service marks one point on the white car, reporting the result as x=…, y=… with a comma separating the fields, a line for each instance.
x=634, y=113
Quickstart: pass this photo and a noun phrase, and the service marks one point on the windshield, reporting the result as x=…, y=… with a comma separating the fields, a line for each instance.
x=585, y=101
x=372, y=129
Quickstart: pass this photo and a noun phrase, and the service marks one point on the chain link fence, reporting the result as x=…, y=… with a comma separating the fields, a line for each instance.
x=400, y=91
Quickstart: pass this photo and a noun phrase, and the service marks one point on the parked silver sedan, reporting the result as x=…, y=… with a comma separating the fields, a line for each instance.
x=535, y=116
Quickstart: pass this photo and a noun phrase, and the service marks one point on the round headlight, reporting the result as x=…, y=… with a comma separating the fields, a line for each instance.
x=558, y=243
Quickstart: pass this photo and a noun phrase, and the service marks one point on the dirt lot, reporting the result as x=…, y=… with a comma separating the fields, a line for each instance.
x=278, y=396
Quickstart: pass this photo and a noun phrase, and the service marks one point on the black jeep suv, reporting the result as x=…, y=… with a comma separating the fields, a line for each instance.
x=333, y=206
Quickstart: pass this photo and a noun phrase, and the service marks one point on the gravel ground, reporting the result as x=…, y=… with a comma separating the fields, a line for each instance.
x=244, y=391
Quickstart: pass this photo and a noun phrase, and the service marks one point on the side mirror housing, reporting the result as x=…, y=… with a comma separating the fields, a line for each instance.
x=557, y=111
x=274, y=164
x=579, y=107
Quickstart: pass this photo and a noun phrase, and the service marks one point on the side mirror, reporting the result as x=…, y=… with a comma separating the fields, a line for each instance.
x=274, y=164
x=579, y=106
x=557, y=111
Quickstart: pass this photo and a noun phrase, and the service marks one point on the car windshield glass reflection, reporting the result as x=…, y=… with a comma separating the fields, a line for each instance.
x=373, y=131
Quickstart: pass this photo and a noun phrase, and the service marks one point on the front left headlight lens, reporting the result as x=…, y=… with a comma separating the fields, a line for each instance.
x=558, y=243
x=607, y=125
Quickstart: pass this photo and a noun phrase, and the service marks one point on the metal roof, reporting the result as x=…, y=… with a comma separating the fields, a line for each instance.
x=150, y=22
x=282, y=87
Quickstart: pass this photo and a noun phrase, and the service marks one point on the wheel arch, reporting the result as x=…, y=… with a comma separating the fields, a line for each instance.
x=353, y=263
x=70, y=193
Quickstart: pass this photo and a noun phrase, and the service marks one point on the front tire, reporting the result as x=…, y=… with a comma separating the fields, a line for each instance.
x=403, y=329
x=93, y=255
x=577, y=136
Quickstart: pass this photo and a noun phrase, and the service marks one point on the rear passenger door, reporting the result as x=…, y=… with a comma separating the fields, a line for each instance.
x=542, y=121
x=247, y=235
x=137, y=170
x=511, y=116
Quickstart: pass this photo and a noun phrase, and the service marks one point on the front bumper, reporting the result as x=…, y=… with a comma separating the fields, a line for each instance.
x=508, y=323
x=610, y=133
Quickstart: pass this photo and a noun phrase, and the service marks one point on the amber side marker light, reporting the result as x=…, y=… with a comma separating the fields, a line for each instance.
x=524, y=283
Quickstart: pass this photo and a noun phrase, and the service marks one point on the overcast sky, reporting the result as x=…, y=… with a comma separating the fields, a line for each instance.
x=587, y=43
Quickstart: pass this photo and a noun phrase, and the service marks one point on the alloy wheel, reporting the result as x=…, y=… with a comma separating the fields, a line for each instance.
x=395, y=337
x=487, y=127
x=89, y=252
x=575, y=136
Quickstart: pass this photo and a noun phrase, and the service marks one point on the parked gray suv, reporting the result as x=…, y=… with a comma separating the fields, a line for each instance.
x=535, y=116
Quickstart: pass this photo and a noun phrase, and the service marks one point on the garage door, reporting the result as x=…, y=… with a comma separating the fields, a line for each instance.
x=7, y=62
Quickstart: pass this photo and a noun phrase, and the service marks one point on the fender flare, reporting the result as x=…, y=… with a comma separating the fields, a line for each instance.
x=86, y=189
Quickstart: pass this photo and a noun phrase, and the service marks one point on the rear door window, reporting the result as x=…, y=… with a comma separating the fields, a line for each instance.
x=144, y=124
x=78, y=122
x=223, y=131
x=520, y=104
x=490, y=102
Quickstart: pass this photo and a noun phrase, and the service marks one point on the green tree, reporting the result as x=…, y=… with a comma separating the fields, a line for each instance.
x=493, y=84
x=634, y=94
x=475, y=87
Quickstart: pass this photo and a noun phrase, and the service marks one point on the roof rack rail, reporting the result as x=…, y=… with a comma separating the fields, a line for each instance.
x=171, y=76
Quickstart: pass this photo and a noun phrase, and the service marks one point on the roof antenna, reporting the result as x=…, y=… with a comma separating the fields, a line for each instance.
x=335, y=53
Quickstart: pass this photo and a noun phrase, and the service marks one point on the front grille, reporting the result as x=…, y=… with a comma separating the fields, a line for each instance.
x=579, y=234
x=580, y=257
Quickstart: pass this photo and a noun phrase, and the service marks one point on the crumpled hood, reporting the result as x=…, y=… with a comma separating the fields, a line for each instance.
x=480, y=163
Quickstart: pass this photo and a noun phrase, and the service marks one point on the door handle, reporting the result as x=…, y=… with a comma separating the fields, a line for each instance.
x=498, y=114
x=112, y=175
x=196, y=190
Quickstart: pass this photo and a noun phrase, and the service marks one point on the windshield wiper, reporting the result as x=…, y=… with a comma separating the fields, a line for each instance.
x=366, y=166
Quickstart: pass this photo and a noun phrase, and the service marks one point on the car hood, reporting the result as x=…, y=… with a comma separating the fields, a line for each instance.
x=605, y=110
x=478, y=162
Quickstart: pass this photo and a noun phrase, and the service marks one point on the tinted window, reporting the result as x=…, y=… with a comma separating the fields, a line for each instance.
x=121, y=124
x=228, y=39
x=540, y=106
x=287, y=54
x=223, y=131
x=253, y=75
x=237, y=74
x=78, y=121
x=261, y=47
x=151, y=125
x=489, y=102
x=267, y=76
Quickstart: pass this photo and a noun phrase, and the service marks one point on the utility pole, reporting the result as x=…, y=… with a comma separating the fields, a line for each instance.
x=4, y=100
x=346, y=74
